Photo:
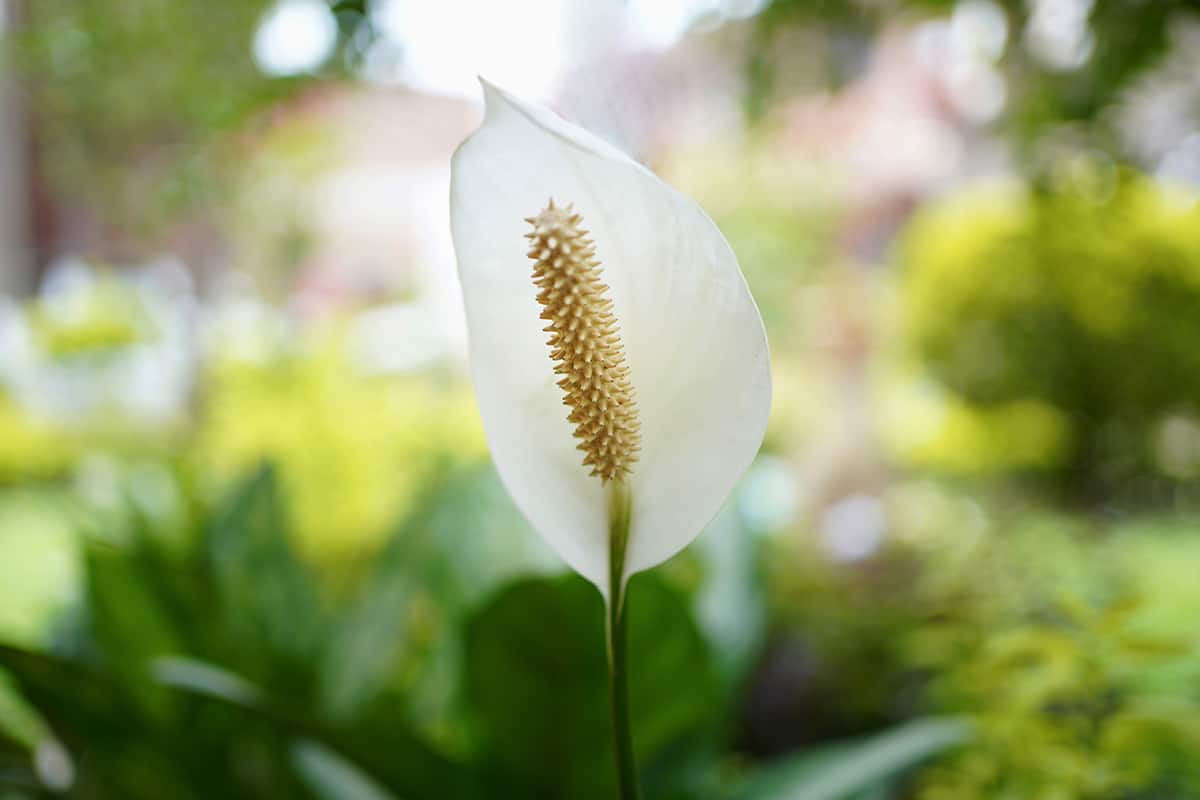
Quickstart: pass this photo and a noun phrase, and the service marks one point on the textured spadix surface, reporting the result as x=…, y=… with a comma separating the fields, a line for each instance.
x=585, y=343
x=692, y=336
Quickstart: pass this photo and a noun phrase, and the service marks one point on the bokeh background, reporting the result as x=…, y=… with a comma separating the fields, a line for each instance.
x=251, y=542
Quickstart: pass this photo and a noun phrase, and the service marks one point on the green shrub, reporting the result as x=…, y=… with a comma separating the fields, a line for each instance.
x=1082, y=297
x=1067, y=646
x=353, y=448
x=1071, y=650
x=1059, y=713
x=207, y=659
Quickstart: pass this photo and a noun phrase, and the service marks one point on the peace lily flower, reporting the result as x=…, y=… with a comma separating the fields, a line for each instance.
x=619, y=360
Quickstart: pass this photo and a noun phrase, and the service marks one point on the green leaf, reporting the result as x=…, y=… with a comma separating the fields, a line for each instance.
x=848, y=769
x=366, y=644
x=377, y=748
x=268, y=596
x=537, y=676
x=75, y=700
x=448, y=553
x=19, y=722
x=120, y=751
x=331, y=777
x=198, y=677
x=128, y=623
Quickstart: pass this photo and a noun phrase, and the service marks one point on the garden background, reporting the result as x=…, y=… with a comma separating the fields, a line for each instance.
x=251, y=542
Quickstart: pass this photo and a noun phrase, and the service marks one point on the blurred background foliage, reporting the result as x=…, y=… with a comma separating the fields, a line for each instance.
x=251, y=543
x=78, y=59
x=1079, y=59
x=1080, y=299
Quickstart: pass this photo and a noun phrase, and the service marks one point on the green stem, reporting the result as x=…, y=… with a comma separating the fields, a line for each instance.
x=618, y=673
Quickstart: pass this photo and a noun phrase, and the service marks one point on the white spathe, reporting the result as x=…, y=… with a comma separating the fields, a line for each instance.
x=693, y=337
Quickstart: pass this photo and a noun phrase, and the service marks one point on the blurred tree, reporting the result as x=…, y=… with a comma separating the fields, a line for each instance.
x=137, y=105
x=1055, y=75
x=113, y=113
x=1081, y=296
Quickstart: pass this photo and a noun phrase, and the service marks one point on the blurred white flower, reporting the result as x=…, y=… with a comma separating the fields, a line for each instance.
x=653, y=343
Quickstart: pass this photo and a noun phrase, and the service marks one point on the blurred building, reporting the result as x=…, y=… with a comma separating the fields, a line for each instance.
x=372, y=209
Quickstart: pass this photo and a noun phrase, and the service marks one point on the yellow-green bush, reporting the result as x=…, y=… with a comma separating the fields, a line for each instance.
x=1083, y=687
x=1083, y=297
x=30, y=448
x=103, y=317
x=352, y=448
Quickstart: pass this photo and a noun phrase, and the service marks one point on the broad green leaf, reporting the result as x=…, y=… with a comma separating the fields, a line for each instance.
x=201, y=678
x=331, y=777
x=378, y=747
x=19, y=723
x=537, y=676
x=372, y=634
x=268, y=597
x=849, y=769
x=76, y=701
x=447, y=554
x=117, y=749
x=128, y=623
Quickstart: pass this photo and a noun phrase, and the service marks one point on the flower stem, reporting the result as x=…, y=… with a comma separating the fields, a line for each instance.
x=618, y=673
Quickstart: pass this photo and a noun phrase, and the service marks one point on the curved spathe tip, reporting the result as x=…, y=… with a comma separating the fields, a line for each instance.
x=497, y=101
